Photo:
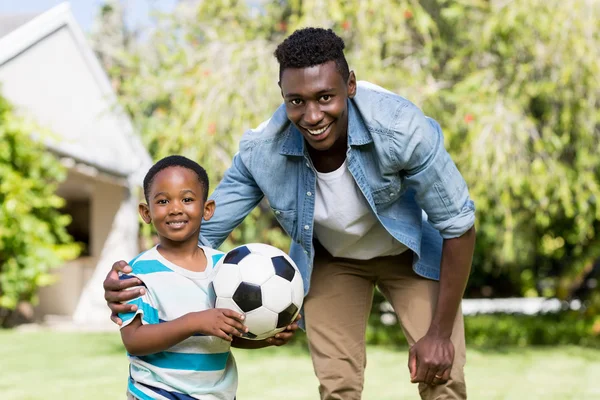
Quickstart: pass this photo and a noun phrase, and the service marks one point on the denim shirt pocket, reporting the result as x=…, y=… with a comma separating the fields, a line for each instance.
x=287, y=220
x=386, y=195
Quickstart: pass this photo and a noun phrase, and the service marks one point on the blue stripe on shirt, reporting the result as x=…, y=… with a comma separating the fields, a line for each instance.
x=136, y=257
x=150, y=313
x=149, y=267
x=124, y=277
x=216, y=258
x=137, y=392
x=169, y=395
x=187, y=361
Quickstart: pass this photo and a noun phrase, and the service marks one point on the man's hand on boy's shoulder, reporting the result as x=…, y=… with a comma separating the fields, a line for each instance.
x=114, y=292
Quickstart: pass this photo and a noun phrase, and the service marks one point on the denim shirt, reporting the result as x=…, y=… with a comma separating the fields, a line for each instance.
x=397, y=158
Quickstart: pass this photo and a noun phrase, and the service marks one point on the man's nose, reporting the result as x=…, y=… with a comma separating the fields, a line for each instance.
x=313, y=114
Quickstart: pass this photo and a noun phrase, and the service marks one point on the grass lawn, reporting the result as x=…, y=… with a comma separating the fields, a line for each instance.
x=74, y=366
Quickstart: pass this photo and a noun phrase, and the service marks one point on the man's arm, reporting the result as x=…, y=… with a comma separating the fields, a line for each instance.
x=236, y=196
x=442, y=193
x=143, y=339
x=431, y=358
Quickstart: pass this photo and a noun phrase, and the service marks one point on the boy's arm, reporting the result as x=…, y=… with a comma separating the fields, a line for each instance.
x=143, y=339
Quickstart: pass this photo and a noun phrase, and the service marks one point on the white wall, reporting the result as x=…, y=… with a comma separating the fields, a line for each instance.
x=53, y=83
x=113, y=237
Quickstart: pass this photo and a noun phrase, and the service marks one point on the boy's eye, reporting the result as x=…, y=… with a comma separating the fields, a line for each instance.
x=188, y=200
x=296, y=102
x=162, y=201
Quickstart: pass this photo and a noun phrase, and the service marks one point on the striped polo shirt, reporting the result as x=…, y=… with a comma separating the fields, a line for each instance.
x=200, y=367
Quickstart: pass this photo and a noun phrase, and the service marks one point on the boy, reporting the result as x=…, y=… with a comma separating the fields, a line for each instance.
x=178, y=346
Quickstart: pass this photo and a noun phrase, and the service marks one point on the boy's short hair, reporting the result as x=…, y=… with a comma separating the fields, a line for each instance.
x=176, y=161
x=312, y=46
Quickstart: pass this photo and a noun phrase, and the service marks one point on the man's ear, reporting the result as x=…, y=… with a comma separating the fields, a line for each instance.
x=351, y=85
x=144, y=211
x=209, y=209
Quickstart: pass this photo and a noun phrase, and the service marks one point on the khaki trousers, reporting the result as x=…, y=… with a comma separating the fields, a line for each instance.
x=336, y=313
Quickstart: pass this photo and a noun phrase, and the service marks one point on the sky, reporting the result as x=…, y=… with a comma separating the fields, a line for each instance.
x=137, y=11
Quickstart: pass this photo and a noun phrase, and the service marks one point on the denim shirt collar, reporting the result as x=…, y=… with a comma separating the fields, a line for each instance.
x=358, y=134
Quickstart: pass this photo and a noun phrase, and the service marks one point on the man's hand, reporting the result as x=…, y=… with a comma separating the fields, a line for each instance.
x=114, y=292
x=286, y=335
x=430, y=360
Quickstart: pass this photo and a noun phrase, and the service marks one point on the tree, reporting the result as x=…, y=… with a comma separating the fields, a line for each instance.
x=513, y=84
x=33, y=236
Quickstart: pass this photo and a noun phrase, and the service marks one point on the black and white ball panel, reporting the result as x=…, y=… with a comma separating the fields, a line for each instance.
x=248, y=296
x=262, y=282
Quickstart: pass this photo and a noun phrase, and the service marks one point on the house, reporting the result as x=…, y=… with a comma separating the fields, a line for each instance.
x=50, y=74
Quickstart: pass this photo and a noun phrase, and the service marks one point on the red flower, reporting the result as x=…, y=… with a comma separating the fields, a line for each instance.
x=408, y=14
x=469, y=118
x=212, y=128
x=282, y=26
x=346, y=25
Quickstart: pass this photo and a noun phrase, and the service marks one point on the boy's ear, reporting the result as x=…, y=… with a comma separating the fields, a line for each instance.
x=144, y=211
x=209, y=209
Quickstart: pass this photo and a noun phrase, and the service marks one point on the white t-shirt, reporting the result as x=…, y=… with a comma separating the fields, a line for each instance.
x=344, y=222
x=200, y=367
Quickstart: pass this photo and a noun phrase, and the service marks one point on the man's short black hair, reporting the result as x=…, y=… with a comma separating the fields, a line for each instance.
x=312, y=46
x=176, y=161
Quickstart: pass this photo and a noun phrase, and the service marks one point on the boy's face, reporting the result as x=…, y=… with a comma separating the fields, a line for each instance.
x=176, y=205
x=316, y=102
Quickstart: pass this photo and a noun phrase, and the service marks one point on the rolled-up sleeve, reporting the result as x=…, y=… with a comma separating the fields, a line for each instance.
x=417, y=148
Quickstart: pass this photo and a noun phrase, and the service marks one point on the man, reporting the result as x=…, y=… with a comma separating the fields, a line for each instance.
x=348, y=170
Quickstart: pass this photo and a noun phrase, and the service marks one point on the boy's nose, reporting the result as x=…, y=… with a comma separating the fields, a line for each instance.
x=175, y=209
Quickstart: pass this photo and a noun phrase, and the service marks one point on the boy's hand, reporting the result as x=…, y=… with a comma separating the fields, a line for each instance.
x=219, y=322
x=286, y=335
x=115, y=293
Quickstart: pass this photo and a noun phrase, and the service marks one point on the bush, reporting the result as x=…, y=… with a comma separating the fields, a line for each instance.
x=33, y=236
x=493, y=330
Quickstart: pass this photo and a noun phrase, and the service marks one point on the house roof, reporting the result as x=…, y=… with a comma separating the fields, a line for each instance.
x=10, y=22
x=50, y=73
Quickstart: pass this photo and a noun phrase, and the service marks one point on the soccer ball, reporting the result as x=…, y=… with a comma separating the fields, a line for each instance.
x=261, y=282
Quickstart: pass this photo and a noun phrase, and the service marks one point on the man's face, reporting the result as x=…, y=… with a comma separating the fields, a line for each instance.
x=315, y=102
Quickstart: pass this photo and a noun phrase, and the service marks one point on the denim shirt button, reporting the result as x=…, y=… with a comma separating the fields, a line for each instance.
x=308, y=194
x=277, y=212
x=306, y=227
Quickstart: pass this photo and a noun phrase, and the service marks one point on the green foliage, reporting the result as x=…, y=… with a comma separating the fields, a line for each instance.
x=514, y=85
x=33, y=238
x=496, y=330
x=199, y=83
x=520, y=109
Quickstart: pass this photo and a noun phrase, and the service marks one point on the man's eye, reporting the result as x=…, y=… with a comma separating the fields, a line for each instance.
x=296, y=102
x=326, y=97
